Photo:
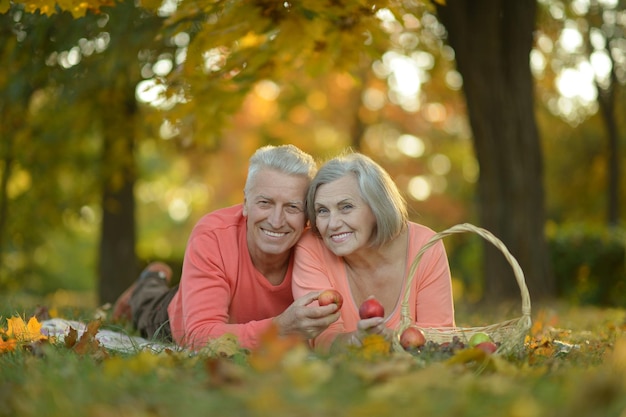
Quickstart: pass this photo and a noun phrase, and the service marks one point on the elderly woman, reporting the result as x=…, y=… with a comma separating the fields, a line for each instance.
x=361, y=243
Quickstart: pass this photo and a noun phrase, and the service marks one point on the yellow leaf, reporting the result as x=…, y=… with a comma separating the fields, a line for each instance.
x=144, y=362
x=4, y=6
x=251, y=40
x=306, y=374
x=153, y=5
x=46, y=7
x=17, y=329
x=373, y=347
x=226, y=345
x=468, y=355
x=272, y=350
x=7, y=346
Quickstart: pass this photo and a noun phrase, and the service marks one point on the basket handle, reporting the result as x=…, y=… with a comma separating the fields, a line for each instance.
x=460, y=228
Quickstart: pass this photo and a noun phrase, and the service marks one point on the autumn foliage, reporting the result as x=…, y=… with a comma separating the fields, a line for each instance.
x=19, y=333
x=567, y=359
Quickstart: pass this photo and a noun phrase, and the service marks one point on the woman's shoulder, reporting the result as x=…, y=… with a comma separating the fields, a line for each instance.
x=420, y=230
x=419, y=235
x=310, y=239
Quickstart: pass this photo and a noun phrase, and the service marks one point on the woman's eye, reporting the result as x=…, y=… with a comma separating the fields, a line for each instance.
x=321, y=211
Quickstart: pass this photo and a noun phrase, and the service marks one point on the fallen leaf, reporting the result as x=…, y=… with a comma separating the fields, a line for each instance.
x=17, y=329
x=88, y=344
x=383, y=370
x=71, y=338
x=373, y=347
x=222, y=372
x=272, y=350
x=7, y=345
x=224, y=346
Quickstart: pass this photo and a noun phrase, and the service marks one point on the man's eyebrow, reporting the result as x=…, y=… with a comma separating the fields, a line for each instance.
x=264, y=197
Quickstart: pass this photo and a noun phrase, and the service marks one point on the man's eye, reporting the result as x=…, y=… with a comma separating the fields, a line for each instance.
x=293, y=209
x=263, y=203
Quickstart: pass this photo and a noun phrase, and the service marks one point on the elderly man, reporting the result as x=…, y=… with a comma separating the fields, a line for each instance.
x=237, y=269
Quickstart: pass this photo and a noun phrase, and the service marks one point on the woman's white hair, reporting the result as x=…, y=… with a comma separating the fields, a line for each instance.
x=377, y=189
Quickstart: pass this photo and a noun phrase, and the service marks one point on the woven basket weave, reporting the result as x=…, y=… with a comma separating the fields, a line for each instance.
x=508, y=334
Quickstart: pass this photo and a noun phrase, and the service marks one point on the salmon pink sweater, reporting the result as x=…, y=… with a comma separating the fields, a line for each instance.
x=220, y=289
x=431, y=305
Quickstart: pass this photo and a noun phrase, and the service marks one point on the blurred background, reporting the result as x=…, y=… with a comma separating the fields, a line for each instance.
x=122, y=124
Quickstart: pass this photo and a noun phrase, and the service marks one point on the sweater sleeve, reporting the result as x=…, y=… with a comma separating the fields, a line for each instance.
x=314, y=272
x=207, y=292
x=434, y=305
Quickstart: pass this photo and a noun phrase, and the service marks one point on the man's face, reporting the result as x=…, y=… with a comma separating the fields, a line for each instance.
x=274, y=208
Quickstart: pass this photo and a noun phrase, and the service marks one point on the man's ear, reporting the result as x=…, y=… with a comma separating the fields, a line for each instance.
x=245, y=207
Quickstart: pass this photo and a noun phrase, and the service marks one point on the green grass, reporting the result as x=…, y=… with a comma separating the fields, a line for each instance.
x=589, y=380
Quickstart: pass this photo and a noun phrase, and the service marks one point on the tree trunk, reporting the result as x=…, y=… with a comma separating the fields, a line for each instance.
x=608, y=114
x=7, y=167
x=118, y=265
x=492, y=40
x=606, y=100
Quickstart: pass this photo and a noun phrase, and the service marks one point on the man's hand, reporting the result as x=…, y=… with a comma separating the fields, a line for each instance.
x=304, y=319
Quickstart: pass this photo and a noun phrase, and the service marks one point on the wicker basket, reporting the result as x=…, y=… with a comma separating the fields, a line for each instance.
x=508, y=334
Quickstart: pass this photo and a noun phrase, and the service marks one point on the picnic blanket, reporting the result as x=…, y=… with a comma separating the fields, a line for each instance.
x=110, y=339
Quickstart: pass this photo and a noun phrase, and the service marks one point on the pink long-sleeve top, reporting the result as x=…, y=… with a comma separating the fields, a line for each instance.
x=220, y=289
x=430, y=303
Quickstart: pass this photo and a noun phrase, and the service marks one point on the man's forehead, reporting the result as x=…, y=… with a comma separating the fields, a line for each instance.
x=282, y=196
x=269, y=180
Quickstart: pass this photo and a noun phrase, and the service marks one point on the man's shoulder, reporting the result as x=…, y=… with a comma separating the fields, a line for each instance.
x=222, y=225
x=223, y=218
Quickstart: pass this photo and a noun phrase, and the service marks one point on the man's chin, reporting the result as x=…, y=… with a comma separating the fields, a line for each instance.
x=275, y=248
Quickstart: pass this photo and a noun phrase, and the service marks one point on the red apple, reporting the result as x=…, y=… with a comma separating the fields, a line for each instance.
x=371, y=308
x=327, y=297
x=487, y=347
x=412, y=337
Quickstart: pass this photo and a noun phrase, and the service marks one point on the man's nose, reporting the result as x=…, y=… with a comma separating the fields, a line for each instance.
x=277, y=217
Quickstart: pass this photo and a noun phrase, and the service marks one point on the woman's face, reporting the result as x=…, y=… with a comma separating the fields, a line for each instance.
x=345, y=221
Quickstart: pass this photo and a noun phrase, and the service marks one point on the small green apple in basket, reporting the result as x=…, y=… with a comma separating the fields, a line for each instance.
x=483, y=341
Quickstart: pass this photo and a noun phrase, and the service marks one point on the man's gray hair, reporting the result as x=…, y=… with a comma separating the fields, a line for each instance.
x=287, y=159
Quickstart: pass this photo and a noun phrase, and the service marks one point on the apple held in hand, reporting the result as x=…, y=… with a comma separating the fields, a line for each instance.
x=371, y=308
x=412, y=337
x=327, y=297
